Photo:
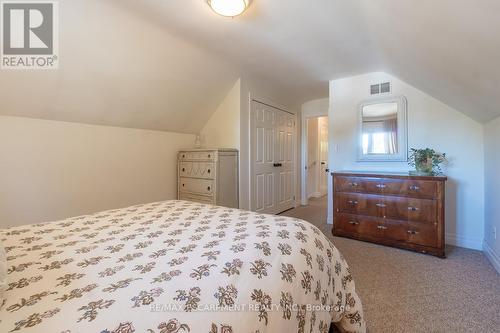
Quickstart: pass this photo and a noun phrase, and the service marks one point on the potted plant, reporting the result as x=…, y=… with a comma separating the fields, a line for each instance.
x=426, y=161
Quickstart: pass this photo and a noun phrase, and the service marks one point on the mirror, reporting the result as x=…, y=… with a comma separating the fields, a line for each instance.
x=383, y=130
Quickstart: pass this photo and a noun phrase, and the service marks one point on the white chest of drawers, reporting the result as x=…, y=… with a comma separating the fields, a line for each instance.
x=208, y=176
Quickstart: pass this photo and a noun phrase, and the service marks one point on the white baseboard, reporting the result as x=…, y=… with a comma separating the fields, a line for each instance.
x=461, y=241
x=492, y=256
x=315, y=195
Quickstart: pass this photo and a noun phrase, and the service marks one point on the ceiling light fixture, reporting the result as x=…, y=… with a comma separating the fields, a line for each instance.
x=228, y=8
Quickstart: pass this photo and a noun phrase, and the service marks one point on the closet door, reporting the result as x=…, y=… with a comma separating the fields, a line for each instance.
x=284, y=157
x=272, y=141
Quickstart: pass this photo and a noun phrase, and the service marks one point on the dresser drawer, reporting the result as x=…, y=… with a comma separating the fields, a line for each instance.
x=196, y=186
x=359, y=204
x=410, y=209
x=410, y=232
x=387, y=186
x=197, y=198
x=397, y=208
x=197, y=156
x=204, y=170
x=358, y=226
x=369, y=228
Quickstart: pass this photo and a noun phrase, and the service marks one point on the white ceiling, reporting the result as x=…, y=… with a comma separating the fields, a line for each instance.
x=166, y=64
x=447, y=48
x=118, y=68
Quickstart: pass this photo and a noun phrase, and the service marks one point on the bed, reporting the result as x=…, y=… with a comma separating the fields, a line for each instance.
x=174, y=267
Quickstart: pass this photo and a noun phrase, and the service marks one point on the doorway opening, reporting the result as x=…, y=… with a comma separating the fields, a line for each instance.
x=316, y=166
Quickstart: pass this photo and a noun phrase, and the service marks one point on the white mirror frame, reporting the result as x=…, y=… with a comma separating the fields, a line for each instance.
x=402, y=155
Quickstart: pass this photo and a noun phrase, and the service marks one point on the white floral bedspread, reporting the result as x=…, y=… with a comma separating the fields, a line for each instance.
x=176, y=266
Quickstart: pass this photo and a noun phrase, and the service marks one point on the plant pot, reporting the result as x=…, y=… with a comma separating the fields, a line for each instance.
x=424, y=167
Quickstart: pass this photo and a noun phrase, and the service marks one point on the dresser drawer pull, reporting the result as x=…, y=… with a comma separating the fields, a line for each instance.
x=413, y=209
x=183, y=169
x=353, y=223
x=381, y=186
x=208, y=188
x=208, y=170
x=209, y=155
x=381, y=227
x=414, y=187
x=412, y=232
x=353, y=184
x=352, y=202
x=381, y=205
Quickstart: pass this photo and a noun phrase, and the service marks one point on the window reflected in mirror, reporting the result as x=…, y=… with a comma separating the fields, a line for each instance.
x=380, y=129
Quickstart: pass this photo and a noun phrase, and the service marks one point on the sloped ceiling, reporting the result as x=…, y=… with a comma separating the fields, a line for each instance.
x=166, y=64
x=118, y=68
x=450, y=49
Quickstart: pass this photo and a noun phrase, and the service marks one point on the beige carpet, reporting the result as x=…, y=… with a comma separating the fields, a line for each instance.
x=404, y=291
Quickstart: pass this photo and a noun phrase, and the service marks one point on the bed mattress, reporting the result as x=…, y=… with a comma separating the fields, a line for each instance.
x=176, y=266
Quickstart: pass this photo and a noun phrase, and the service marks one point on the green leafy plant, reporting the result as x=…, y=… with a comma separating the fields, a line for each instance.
x=427, y=161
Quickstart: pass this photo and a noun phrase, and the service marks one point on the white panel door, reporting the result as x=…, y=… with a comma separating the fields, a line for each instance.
x=263, y=141
x=272, y=134
x=285, y=158
x=323, y=155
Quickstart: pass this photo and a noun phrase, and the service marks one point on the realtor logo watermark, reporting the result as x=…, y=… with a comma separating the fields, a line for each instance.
x=30, y=34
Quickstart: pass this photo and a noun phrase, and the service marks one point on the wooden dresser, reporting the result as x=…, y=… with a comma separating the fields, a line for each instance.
x=209, y=176
x=395, y=209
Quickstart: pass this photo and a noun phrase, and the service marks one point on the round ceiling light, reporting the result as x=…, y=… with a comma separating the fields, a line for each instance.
x=229, y=8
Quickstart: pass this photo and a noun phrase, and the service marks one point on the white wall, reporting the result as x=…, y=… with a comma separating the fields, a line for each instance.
x=431, y=124
x=492, y=191
x=223, y=129
x=51, y=170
